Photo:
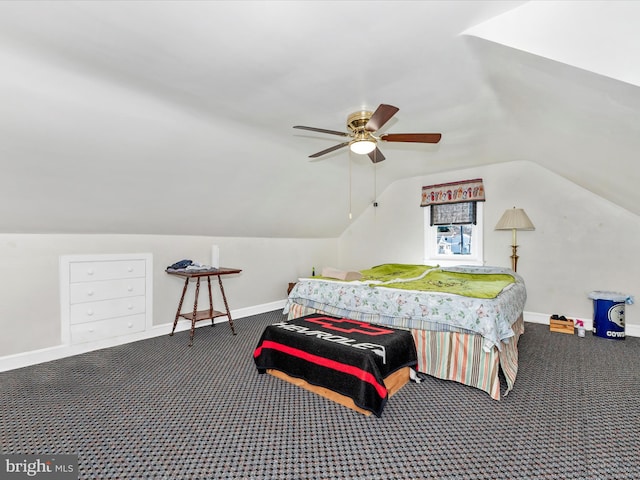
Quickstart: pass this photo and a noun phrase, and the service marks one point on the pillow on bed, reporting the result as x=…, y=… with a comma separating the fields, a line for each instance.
x=330, y=272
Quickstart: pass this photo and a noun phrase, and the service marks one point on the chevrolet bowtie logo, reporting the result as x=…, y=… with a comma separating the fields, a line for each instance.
x=346, y=325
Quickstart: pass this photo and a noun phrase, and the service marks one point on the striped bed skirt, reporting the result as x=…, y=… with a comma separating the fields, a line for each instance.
x=459, y=356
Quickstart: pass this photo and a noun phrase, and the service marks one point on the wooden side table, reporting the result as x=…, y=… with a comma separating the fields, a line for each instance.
x=210, y=313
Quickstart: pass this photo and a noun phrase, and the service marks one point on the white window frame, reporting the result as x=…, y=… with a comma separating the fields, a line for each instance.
x=431, y=255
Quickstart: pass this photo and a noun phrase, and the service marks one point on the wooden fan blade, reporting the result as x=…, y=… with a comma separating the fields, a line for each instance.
x=329, y=150
x=376, y=156
x=322, y=130
x=412, y=137
x=381, y=116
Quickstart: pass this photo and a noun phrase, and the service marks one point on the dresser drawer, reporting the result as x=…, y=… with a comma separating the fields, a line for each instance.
x=90, y=331
x=94, y=311
x=105, y=290
x=105, y=270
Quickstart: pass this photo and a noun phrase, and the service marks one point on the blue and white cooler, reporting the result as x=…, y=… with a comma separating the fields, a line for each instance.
x=608, y=314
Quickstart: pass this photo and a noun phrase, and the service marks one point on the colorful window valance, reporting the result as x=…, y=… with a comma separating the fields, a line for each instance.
x=455, y=192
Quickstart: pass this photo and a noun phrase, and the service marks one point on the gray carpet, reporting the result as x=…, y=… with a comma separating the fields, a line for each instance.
x=157, y=409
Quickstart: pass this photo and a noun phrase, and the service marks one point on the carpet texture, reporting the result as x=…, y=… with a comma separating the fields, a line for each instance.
x=158, y=409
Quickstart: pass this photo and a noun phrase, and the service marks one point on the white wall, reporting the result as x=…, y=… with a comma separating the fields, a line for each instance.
x=581, y=242
x=29, y=276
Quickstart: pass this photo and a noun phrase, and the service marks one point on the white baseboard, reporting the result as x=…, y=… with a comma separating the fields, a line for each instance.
x=19, y=360
x=543, y=318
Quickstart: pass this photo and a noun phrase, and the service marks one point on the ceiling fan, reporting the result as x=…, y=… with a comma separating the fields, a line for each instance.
x=362, y=125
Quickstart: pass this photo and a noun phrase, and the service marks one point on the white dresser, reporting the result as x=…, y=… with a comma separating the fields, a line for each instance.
x=105, y=296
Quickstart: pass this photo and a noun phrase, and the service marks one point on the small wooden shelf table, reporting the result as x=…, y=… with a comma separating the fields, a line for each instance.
x=210, y=313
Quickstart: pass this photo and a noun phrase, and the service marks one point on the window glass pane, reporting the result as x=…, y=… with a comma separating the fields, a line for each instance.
x=454, y=239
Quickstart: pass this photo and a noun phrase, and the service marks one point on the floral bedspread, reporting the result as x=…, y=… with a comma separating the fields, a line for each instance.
x=490, y=317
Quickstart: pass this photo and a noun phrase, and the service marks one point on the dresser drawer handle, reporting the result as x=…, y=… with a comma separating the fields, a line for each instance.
x=90, y=312
x=130, y=288
x=130, y=307
x=130, y=325
x=129, y=268
x=90, y=293
x=90, y=271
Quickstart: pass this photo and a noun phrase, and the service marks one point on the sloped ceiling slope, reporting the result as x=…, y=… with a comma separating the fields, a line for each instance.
x=567, y=80
x=175, y=117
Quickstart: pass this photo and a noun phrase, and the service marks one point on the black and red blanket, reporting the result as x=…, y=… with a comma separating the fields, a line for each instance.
x=347, y=356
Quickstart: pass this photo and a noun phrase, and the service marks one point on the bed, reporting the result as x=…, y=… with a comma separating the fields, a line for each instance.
x=465, y=321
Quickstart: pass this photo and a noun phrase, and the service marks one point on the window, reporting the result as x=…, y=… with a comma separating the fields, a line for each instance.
x=453, y=223
x=454, y=243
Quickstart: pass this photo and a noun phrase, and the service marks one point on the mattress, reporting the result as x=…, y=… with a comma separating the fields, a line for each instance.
x=399, y=303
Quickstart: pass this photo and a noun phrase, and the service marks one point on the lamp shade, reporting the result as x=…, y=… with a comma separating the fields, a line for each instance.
x=514, y=219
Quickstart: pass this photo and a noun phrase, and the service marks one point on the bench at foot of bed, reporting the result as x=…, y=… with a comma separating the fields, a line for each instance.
x=393, y=382
x=349, y=357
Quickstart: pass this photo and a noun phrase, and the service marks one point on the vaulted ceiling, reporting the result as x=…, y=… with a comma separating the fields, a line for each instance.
x=175, y=117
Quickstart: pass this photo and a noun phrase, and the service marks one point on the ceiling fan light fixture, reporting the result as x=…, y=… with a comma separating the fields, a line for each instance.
x=362, y=147
x=361, y=126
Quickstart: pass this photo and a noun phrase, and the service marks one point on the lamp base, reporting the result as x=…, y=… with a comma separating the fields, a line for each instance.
x=514, y=257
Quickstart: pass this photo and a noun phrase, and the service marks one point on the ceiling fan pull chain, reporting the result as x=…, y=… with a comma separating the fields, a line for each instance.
x=350, y=214
x=375, y=189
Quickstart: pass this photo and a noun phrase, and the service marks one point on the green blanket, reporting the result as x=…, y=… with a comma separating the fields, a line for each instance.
x=394, y=271
x=477, y=285
x=427, y=278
